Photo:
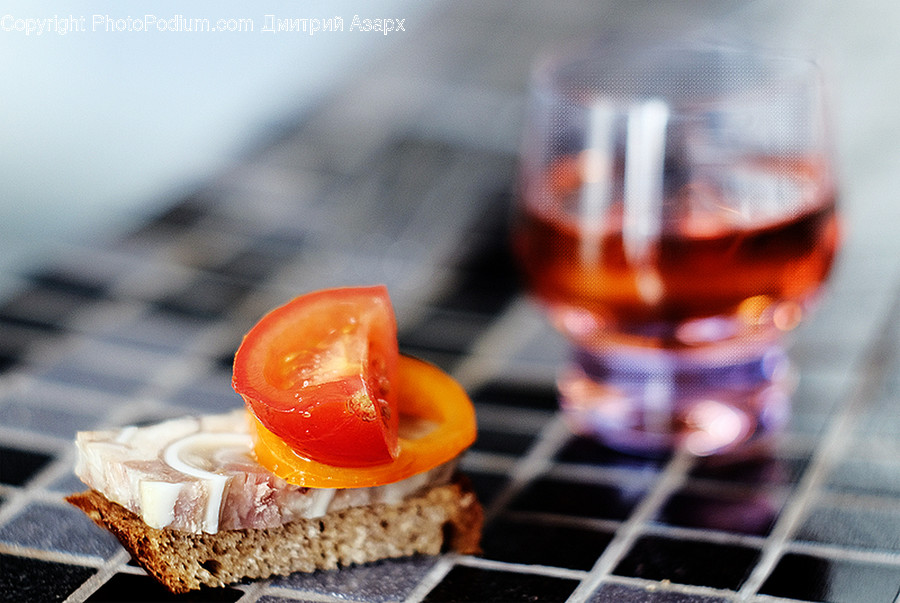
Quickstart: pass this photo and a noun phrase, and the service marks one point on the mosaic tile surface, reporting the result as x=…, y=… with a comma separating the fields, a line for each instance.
x=143, y=326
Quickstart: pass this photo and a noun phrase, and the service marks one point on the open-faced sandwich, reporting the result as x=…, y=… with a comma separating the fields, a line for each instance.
x=345, y=453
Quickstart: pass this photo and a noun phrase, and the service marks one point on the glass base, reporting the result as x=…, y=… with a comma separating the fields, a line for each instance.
x=652, y=402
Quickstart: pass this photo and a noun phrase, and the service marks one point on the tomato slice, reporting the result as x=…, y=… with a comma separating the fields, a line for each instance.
x=318, y=374
x=437, y=423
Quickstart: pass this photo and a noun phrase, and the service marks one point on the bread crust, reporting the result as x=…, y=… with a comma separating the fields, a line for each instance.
x=446, y=517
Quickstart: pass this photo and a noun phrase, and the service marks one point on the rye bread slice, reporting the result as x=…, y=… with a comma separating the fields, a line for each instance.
x=447, y=517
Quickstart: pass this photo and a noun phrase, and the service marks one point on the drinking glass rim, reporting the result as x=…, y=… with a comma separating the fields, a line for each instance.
x=778, y=71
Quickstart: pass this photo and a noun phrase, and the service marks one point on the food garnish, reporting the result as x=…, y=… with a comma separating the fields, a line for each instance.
x=334, y=404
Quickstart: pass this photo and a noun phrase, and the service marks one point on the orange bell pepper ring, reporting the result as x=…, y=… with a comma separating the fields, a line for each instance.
x=437, y=423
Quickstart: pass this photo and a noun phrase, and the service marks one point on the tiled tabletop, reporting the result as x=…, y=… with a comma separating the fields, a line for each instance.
x=405, y=180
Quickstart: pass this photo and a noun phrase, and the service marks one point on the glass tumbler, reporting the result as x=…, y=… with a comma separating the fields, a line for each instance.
x=676, y=218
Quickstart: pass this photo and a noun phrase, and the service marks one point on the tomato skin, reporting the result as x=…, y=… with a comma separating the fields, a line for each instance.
x=317, y=373
x=424, y=393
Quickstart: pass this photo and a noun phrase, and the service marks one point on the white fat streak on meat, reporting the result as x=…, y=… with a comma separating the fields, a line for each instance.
x=201, y=455
x=211, y=487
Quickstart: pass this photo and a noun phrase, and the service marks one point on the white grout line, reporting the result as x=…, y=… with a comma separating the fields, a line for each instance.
x=704, y=535
x=653, y=586
x=252, y=592
x=104, y=573
x=669, y=480
x=289, y=594
x=553, y=519
x=839, y=553
x=434, y=576
x=506, y=334
x=51, y=556
x=874, y=366
x=533, y=464
x=534, y=570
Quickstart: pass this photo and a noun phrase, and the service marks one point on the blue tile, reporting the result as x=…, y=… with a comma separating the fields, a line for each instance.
x=23, y=579
x=254, y=265
x=758, y=470
x=810, y=578
x=207, y=396
x=688, y=562
x=388, y=580
x=587, y=451
x=41, y=307
x=17, y=338
x=517, y=395
x=68, y=484
x=470, y=584
x=874, y=477
x=600, y=501
x=51, y=421
x=205, y=298
x=137, y=588
x=18, y=466
x=871, y=528
x=486, y=485
x=751, y=513
x=58, y=528
x=619, y=593
x=89, y=378
x=502, y=442
x=70, y=282
x=156, y=330
x=530, y=543
x=444, y=332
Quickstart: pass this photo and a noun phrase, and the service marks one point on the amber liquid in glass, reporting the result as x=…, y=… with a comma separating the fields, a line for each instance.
x=712, y=276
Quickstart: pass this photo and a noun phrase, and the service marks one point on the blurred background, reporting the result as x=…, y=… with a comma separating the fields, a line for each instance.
x=100, y=128
x=292, y=161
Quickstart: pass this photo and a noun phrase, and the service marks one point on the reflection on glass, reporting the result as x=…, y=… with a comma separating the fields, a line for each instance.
x=676, y=217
